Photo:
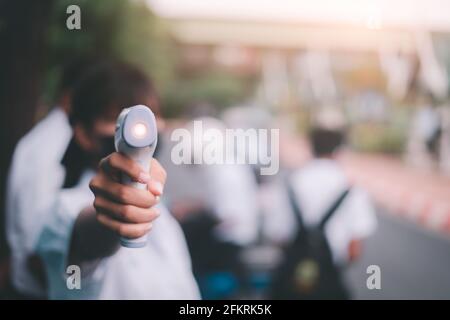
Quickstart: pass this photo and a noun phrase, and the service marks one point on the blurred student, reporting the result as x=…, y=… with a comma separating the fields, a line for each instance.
x=34, y=180
x=321, y=220
x=77, y=232
x=228, y=190
x=217, y=207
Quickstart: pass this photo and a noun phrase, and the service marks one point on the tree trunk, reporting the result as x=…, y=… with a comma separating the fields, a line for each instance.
x=23, y=26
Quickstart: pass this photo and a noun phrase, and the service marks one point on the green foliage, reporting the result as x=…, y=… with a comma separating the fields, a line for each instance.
x=129, y=31
x=219, y=89
x=387, y=136
x=143, y=40
x=121, y=29
x=377, y=138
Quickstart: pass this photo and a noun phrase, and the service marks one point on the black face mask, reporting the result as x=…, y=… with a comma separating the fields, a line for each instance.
x=106, y=147
x=76, y=159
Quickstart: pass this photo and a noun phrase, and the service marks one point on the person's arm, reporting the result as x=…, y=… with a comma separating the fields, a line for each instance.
x=91, y=240
x=354, y=250
x=361, y=221
x=118, y=210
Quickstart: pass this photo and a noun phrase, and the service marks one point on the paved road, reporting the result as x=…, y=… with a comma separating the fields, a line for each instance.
x=414, y=262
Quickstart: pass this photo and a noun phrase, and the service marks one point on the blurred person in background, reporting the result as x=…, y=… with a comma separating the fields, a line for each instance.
x=31, y=188
x=428, y=129
x=425, y=133
x=319, y=218
x=77, y=232
x=251, y=117
x=217, y=207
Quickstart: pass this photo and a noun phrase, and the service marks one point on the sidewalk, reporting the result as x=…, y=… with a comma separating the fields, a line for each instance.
x=417, y=194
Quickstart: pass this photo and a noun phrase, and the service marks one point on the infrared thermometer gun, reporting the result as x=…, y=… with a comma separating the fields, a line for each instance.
x=136, y=136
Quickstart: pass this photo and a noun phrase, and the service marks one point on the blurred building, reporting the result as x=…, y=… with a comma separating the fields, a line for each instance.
x=369, y=56
x=382, y=38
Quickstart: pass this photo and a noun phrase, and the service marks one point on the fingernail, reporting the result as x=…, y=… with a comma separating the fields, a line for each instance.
x=157, y=198
x=144, y=177
x=159, y=187
x=157, y=212
x=148, y=227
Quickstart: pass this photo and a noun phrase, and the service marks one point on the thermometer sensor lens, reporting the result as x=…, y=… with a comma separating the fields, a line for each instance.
x=139, y=130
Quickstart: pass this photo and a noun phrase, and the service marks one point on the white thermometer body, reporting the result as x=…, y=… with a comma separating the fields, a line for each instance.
x=136, y=136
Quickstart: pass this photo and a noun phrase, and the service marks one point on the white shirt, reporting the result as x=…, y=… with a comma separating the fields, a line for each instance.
x=34, y=178
x=317, y=186
x=161, y=270
x=229, y=190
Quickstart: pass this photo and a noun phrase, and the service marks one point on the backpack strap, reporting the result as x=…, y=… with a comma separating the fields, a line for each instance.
x=333, y=208
x=294, y=205
x=298, y=212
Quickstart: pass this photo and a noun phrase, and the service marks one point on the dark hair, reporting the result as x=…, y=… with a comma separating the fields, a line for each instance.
x=108, y=88
x=73, y=70
x=325, y=141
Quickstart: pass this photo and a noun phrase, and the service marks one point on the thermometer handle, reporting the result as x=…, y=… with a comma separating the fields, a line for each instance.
x=144, y=160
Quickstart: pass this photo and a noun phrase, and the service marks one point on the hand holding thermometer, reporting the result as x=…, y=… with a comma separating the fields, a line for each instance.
x=136, y=137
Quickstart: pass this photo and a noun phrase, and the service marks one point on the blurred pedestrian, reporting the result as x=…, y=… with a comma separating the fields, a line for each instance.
x=320, y=220
x=216, y=204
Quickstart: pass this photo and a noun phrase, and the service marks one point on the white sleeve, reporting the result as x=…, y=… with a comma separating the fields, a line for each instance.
x=30, y=196
x=361, y=214
x=355, y=220
x=279, y=223
x=54, y=241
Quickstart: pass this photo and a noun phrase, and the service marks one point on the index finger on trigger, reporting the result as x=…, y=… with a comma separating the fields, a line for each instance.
x=128, y=166
x=157, y=172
